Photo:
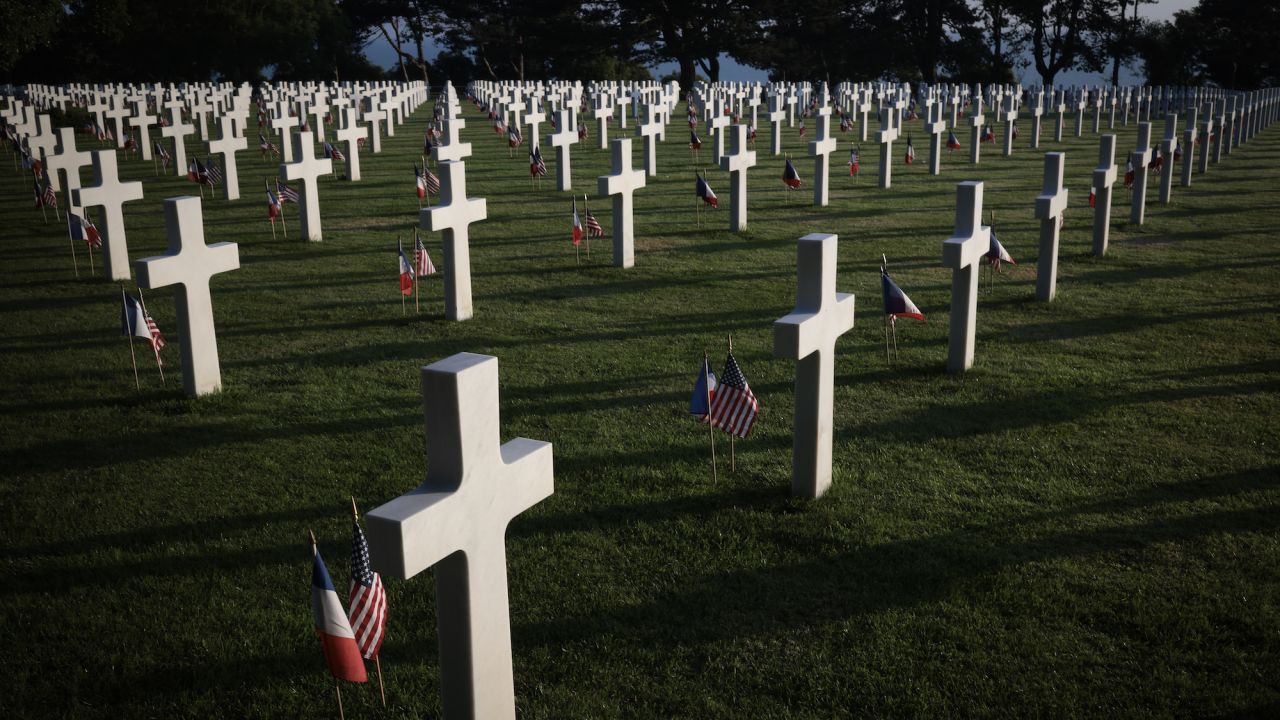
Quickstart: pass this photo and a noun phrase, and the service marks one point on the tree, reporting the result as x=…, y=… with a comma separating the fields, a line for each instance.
x=1230, y=43
x=1062, y=33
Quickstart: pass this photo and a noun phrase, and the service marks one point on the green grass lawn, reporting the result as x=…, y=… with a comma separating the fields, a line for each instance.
x=1083, y=525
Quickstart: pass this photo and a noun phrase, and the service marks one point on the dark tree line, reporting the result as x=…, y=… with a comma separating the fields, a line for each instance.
x=1227, y=42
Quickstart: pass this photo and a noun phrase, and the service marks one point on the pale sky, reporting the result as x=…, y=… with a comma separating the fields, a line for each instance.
x=380, y=53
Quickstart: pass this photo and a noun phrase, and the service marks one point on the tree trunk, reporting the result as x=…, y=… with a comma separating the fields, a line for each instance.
x=687, y=73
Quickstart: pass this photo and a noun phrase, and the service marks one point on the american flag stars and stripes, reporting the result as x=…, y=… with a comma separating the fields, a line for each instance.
x=367, y=598
x=49, y=197
x=286, y=193
x=593, y=225
x=163, y=154
x=332, y=152
x=514, y=139
x=422, y=264
x=734, y=408
x=431, y=181
x=537, y=166
x=213, y=172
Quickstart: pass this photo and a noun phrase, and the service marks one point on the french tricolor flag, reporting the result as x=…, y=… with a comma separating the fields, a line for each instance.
x=896, y=302
x=406, y=272
x=340, y=649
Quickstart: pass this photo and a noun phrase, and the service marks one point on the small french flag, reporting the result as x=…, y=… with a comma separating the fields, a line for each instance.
x=340, y=649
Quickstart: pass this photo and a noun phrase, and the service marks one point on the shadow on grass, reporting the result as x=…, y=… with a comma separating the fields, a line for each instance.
x=846, y=582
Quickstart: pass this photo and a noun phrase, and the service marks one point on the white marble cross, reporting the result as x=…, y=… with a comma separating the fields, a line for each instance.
x=1104, y=177
x=1049, y=206
x=306, y=169
x=934, y=126
x=534, y=116
x=717, y=121
x=808, y=335
x=821, y=148
x=111, y=194
x=775, y=117
x=961, y=253
x=1082, y=102
x=452, y=217
x=601, y=111
x=1167, y=149
x=1189, y=145
x=887, y=133
x=450, y=148
x=457, y=521
x=649, y=130
x=143, y=122
x=1009, y=114
x=119, y=113
x=564, y=136
x=736, y=164
x=621, y=184
x=283, y=123
x=1059, y=107
x=200, y=108
x=226, y=145
x=191, y=264
x=68, y=160
x=1140, y=158
x=1037, y=111
x=376, y=116
x=976, y=121
x=178, y=130
x=351, y=133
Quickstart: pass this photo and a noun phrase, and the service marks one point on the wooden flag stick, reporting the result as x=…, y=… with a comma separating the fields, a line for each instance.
x=711, y=430
x=377, y=663
x=403, y=311
x=338, y=688
x=91, y=270
x=283, y=225
x=124, y=306
x=57, y=214
x=732, y=439
x=272, y=219
x=75, y=264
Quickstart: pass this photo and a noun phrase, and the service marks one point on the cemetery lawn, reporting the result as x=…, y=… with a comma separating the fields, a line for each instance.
x=1083, y=525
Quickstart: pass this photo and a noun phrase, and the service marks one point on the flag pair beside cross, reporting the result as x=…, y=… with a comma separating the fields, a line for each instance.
x=727, y=403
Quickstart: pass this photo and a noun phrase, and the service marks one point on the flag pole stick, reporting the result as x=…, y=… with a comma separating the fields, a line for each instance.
x=43, y=212
x=338, y=688
x=132, y=357
x=284, y=225
x=267, y=187
x=154, y=349
x=711, y=430
x=732, y=438
x=403, y=310
x=377, y=663
x=586, y=208
x=75, y=265
x=90, y=249
x=57, y=214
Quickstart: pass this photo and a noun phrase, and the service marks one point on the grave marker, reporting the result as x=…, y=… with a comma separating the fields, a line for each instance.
x=108, y=192
x=1049, y=207
x=620, y=185
x=961, y=253
x=191, y=264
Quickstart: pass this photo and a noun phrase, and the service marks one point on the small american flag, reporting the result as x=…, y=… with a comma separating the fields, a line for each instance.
x=367, y=599
x=50, y=198
x=163, y=154
x=432, y=182
x=332, y=152
x=733, y=406
x=421, y=260
x=536, y=165
x=157, y=339
x=213, y=172
x=266, y=146
x=593, y=226
x=286, y=193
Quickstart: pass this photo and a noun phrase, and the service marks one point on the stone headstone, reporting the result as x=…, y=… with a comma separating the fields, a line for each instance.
x=961, y=253
x=1167, y=150
x=976, y=121
x=453, y=217
x=307, y=169
x=226, y=145
x=190, y=264
x=350, y=134
x=564, y=137
x=1140, y=158
x=620, y=185
x=111, y=194
x=887, y=133
x=736, y=164
x=178, y=130
x=808, y=335
x=457, y=521
x=1049, y=206
x=1104, y=179
x=1189, y=141
x=649, y=130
